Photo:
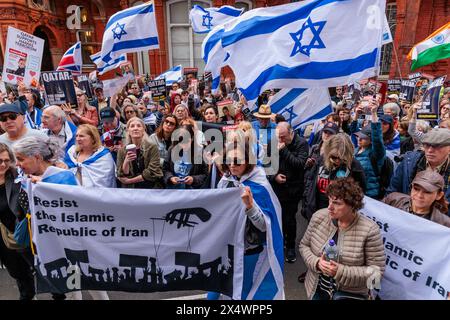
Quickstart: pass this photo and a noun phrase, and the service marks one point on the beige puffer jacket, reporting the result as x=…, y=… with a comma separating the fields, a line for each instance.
x=360, y=246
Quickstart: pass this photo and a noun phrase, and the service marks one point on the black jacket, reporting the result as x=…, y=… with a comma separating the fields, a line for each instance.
x=291, y=164
x=309, y=205
x=12, y=195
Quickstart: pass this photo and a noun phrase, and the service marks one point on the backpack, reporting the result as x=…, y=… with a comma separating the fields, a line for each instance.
x=385, y=173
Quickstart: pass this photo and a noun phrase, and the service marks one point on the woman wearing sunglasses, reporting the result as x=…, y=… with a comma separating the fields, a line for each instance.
x=84, y=113
x=337, y=161
x=163, y=137
x=263, y=240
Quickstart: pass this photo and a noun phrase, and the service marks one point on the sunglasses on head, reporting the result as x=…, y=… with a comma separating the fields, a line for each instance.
x=11, y=116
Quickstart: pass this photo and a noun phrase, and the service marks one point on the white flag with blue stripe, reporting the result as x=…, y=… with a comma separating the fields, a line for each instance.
x=172, y=75
x=130, y=30
x=111, y=65
x=301, y=107
x=314, y=43
x=204, y=20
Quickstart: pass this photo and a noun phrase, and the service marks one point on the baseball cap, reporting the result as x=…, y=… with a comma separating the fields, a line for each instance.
x=331, y=127
x=107, y=114
x=98, y=85
x=10, y=107
x=386, y=118
x=365, y=133
x=437, y=136
x=429, y=180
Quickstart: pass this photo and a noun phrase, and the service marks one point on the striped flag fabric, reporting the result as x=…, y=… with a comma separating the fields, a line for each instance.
x=72, y=60
x=204, y=20
x=130, y=30
x=172, y=75
x=111, y=65
x=435, y=47
x=295, y=45
x=301, y=107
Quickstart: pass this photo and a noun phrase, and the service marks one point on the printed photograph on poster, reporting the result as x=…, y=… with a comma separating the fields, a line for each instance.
x=226, y=111
x=59, y=88
x=23, y=57
x=430, y=103
x=394, y=86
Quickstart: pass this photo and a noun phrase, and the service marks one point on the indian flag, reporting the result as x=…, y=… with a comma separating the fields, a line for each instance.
x=435, y=47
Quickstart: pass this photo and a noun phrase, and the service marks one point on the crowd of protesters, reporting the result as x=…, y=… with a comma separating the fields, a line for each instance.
x=365, y=147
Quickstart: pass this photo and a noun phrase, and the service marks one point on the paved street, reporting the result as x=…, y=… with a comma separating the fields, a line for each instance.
x=293, y=289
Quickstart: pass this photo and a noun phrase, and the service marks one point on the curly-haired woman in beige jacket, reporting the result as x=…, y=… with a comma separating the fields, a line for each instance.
x=361, y=253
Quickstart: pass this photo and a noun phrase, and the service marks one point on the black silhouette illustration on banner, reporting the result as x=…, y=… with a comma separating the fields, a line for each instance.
x=143, y=273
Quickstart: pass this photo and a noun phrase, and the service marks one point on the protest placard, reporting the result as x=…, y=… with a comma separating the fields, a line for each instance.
x=23, y=57
x=59, y=88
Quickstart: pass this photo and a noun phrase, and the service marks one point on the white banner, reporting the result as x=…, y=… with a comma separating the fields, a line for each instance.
x=417, y=254
x=138, y=240
x=23, y=57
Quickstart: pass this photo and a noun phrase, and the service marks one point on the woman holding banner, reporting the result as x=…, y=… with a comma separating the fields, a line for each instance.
x=358, y=248
x=37, y=157
x=17, y=261
x=427, y=199
x=263, y=255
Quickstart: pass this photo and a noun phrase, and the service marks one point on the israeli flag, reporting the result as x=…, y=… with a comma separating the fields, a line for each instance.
x=387, y=35
x=172, y=75
x=214, y=55
x=130, y=30
x=314, y=43
x=105, y=67
x=301, y=107
x=204, y=20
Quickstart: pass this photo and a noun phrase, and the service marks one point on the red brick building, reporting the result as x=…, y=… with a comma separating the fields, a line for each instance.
x=411, y=21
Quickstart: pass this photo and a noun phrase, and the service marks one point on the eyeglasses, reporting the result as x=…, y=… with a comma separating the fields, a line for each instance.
x=170, y=123
x=6, y=161
x=11, y=116
x=129, y=111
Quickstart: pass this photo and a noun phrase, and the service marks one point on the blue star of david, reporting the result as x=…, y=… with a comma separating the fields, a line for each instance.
x=205, y=23
x=316, y=42
x=292, y=114
x=119, y=31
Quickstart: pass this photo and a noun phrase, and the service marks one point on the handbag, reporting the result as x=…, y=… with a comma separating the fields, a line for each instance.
x=21, y=233
x=8, y=238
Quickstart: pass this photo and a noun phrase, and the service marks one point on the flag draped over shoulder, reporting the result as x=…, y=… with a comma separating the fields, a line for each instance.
x=315, y=43
x=172, y=75
x=130, y=30
x=72, y=60
x=435, y=47
x=268, y=281
x=302, y=106
x=205, y=19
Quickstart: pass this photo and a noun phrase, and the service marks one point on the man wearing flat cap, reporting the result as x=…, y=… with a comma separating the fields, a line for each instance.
x=435, y=156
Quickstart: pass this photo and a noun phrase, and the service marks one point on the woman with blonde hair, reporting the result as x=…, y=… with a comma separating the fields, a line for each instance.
x=337, y=161
x=92, y=163
x=138, y=164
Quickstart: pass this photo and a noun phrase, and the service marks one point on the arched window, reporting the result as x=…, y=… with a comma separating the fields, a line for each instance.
x=246, y=4
x=185, y=46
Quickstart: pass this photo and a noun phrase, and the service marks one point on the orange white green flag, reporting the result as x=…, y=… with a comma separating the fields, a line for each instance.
x=435, y=47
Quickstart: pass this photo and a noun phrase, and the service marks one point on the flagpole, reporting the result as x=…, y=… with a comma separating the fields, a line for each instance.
x=396, y=58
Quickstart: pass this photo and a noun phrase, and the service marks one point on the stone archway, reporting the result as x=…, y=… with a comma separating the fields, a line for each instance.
x=50, y=42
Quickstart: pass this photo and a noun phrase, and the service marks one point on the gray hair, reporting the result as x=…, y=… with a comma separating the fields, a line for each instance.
x=46, y=147
x=57, y=112
x=286, y=125
x=393, y=106
x=423, y=125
